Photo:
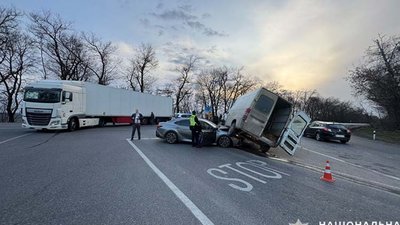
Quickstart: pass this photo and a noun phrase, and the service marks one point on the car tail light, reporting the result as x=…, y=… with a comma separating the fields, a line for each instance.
x=246, y=113
x=326, y=129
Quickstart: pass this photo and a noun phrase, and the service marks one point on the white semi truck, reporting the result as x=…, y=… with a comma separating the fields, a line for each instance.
x=57, y=105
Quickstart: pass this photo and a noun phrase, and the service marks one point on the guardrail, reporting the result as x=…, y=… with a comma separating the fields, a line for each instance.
x=355, y=125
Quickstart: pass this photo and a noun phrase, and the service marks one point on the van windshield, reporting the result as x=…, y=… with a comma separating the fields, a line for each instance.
x=264, y=104
x=42, y=95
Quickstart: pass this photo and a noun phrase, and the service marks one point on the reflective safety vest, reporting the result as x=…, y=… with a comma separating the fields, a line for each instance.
x=192, y=121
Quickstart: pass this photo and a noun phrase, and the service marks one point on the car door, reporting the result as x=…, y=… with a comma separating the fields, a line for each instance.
x=183, y=129
x=67, y=106
x=294, y=131
x=209, y=133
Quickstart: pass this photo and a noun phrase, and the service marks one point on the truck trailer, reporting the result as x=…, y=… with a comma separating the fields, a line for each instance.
x=59, y=104
x=267, y=119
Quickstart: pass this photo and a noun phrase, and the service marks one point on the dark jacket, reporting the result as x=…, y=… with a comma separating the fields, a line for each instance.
x=134, y=116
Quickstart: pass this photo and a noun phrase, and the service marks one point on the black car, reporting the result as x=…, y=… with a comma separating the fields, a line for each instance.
x=328, y=131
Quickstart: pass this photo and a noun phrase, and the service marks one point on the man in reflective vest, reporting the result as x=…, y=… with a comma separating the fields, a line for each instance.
x=194, y=127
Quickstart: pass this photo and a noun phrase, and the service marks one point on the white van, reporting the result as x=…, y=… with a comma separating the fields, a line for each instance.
x=267, y=119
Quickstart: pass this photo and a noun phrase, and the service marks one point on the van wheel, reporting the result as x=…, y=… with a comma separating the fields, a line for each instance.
x=171, y=137
x=73, y=124
x=264, y=148
x=232, y=129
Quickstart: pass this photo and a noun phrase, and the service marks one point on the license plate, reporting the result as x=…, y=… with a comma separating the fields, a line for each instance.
x=339, y=136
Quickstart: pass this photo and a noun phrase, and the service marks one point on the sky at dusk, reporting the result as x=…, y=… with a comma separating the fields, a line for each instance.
x=301, y=44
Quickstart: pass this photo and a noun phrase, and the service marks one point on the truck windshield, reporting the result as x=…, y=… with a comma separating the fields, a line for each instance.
x=42, y=95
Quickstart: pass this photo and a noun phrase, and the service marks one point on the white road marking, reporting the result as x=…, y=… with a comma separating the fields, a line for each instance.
x=240, y=172
x=351, y=164
x=188, y=203
x=264, y=165
x=135, y=139
x=328, y=156
x=14, y=138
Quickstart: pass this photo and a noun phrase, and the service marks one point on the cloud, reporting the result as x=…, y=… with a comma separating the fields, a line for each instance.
x=125, y=51
x=206, y=15
x=160, y=6
x=145, y=22
x=313, y=45
x=179, y=51
x=196, y=25
x=183, y=14
x=174, y=14
x=210, y=32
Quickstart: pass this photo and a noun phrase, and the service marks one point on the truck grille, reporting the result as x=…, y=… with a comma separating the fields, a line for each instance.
x=38, y=117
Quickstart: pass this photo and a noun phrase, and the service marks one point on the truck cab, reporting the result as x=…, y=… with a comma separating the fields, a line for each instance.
x=51, y=105
x=267, y=119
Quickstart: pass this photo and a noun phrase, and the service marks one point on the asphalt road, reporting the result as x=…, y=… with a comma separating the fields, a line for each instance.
x=97, y=176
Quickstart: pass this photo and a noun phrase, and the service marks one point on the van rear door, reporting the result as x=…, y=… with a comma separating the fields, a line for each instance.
x=294, y=131
x=257, y=118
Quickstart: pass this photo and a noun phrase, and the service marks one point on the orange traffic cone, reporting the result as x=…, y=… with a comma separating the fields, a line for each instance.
x=327, y=173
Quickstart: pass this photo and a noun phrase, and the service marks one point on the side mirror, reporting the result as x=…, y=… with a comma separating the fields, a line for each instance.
x=66, y=96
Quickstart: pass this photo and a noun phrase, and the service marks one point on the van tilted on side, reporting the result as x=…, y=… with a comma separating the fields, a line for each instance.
x=267, y=119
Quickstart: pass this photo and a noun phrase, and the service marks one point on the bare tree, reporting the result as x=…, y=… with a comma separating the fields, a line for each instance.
x=210, y=82
x=182, y=91
x=139, y=73
x=167, y=90
x=274, y=86
x=18, y=59
x=101, y=55
x=220, y=87
x=63, y=53
x=236, y=85
x=377, y=79
x=8, y=24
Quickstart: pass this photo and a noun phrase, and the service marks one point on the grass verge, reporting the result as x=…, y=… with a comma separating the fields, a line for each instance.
x=382, y=135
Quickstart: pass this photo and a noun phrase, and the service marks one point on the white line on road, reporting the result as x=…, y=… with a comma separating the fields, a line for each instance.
x=188, y=203
x=328, y=156
x=135, y=139
x=351, y=164
x=14, y=138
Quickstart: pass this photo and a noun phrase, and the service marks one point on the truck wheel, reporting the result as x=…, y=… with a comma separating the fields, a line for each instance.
x=73, y=124
x=171, y=137
x=232, y=129
x=224, y=142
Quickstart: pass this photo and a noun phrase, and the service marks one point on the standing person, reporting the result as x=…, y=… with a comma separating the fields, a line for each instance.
x=152, y=118
x=199, y=134
x=194, y=124
x=136, y=119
